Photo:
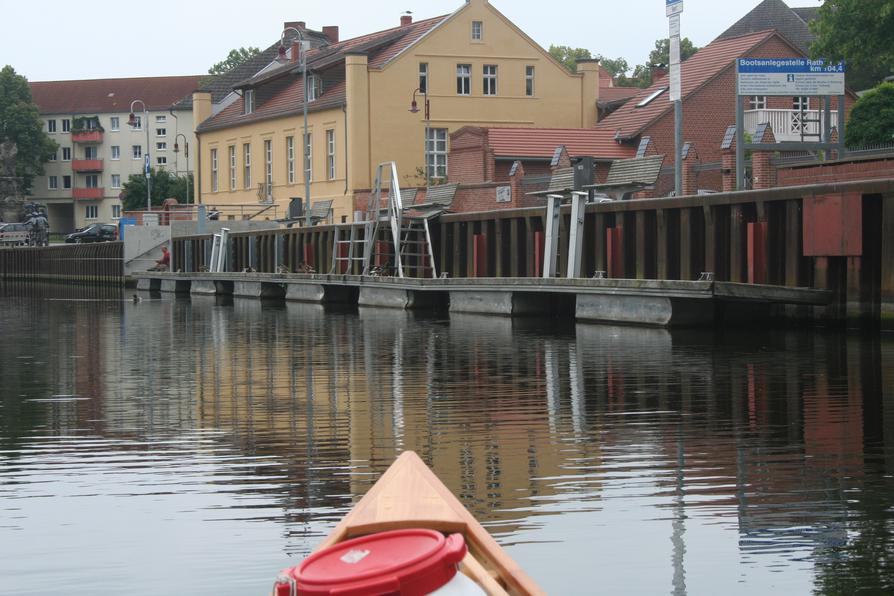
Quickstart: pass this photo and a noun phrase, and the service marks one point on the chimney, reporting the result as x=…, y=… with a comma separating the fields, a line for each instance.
x=296, y=51
x=331, y=33
x=658, y=71
x=406, y=20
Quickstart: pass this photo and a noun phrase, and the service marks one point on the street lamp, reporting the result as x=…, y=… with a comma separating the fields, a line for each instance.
x=132, y=122
x=304, y=47
x=414, y=109
x=177, y=159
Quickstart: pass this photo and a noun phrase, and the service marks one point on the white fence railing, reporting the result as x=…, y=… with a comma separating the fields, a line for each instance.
x=788, y=125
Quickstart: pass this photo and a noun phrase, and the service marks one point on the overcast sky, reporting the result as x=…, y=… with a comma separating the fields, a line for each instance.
x=103, y=38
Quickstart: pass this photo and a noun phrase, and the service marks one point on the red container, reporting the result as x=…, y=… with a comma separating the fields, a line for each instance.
x=406, y=562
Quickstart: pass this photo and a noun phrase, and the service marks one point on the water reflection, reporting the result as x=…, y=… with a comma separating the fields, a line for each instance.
x=635, y=460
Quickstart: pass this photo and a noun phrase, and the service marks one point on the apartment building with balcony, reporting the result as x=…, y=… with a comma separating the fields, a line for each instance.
x=99, y=150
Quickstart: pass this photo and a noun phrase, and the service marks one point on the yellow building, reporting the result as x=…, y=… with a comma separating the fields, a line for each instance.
x=473, y=67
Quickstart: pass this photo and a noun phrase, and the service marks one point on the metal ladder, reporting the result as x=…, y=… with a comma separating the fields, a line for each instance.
x=355, y=239
x=415, y=247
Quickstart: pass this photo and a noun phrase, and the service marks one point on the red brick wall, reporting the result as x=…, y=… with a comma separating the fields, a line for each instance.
x=836, y=171
x=708, y=112
x=478, y=197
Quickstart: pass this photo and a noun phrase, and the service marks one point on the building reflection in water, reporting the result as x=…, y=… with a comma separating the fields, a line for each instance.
x=576, y=445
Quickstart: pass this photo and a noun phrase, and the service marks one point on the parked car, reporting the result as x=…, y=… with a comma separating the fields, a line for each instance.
x=15, y=233
x=94, y=233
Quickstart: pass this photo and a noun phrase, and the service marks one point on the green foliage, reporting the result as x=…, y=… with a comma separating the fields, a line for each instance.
x=234, y=59
x=617, y=67
x=860, y=32
x=872, y=119
x=85, y=123
x=20, y=123
x=569, y=56
x=660, y=56
x=165, y=185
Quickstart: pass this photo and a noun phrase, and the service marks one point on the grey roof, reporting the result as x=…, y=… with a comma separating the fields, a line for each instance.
x=561, y=182
x=442, y=194
x=775, y=14
x=221, y=85
x=641, y=170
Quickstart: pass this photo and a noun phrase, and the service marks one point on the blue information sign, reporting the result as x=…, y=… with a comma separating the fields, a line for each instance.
x=789, y=76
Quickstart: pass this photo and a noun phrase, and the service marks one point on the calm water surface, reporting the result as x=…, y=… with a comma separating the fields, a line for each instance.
x=197, y=447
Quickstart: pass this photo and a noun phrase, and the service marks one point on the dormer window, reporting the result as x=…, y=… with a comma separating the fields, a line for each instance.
x=249, y=98
x=314, y=87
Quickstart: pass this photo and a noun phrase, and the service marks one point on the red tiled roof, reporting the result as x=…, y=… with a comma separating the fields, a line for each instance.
x=542, y=143
x=610, y=94
x=110, y=95
x=288, y=101
x=703, y=66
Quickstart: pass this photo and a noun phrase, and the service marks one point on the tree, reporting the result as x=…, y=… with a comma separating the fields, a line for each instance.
x=616, y=67
x=234, y=58
x=20, y=123
x=660, y=56
x=872, y=118
x=858, y=31
x=569, y=56
x=165, y=185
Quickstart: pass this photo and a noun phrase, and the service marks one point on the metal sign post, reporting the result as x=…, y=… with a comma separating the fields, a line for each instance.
x=673, y=9
x=792, y=77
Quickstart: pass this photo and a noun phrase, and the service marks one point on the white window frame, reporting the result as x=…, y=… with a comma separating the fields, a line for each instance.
x=489, y=79
x=530, y=73
x=308, y=157
x=54, y=156
x=66, y=125
x=214, y=171
x=159, y=118
x=116, y=211
x=163, y=146
x=91, y=211
x=66, y=178
x=161, y=160
x=477, y=30
x=116, y=181
x=290, y=159
x=52, y=183
x=268, y=168
x=114, y=123
x=423, y=77
x=246, y=165
x=232, y=167
x=248, y=103
x=464, y=79
x=436, y=153
x=314, y=87
x=116, y=152
x=66, y=151
x=330, y=154
x=51, y=126
x=161, y=132
x=136, y=151
x=91, y=181
x=757, y=102
x=801, y=102
x=91, y=152
x=137, y=122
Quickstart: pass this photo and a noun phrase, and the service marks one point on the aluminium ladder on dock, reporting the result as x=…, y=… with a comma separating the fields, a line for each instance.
x=410, y=237
x=354, y=239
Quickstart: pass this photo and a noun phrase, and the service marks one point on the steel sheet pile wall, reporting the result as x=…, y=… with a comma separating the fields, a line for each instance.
x=101, y=263
x=753, y=237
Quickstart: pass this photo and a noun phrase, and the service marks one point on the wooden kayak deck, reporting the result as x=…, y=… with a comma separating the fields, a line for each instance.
x=410, y=495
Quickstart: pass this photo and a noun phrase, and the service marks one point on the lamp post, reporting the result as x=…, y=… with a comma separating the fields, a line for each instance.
x=186, y=155
x=414, y=109
x=303, y=49
x=132, y=121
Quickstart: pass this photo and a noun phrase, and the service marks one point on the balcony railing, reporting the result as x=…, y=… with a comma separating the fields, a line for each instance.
x=86, y=136
x=87, y=193
x=86, y=165
x=788, y=125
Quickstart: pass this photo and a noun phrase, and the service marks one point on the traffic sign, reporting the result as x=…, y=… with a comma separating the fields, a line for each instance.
x=673, y=7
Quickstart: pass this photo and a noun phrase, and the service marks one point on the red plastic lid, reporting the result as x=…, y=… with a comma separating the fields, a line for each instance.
x=407, y=562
